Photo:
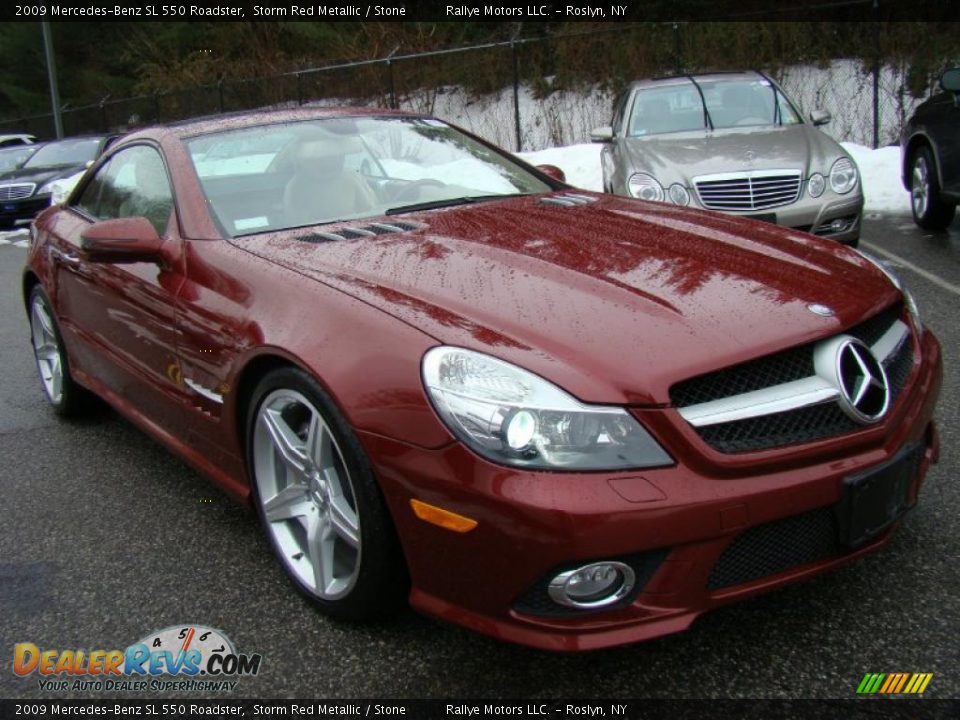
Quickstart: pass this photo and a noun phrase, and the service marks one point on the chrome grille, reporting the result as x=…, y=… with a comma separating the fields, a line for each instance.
x=757, y=190
x=16, y=192
x=758, y=422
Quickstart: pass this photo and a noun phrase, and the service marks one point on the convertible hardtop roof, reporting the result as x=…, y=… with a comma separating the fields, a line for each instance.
x=247, y=118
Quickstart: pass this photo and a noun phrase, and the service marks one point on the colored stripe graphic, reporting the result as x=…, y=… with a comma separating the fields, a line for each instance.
x=894, y=683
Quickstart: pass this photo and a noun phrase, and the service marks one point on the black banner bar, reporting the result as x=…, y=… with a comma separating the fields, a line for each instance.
x=874, y=707
x=474, y=10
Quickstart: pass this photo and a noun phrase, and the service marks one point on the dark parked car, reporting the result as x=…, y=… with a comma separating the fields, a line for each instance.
x=26, y=190
x=930, y=150
x=732, y=142
x=565, y=419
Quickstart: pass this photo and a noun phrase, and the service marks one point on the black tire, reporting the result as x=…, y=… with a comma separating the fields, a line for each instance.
x=380, y=583
x=71, y=400
x=930, y=211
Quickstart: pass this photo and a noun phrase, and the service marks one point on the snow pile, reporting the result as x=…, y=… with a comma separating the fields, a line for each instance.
x=880, y=174
x=580, y=163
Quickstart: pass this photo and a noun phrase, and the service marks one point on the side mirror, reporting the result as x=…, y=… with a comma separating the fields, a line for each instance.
x=950, y=80
x=603, y=134
x=553, y=171
x=820, y=117
x=123, y=240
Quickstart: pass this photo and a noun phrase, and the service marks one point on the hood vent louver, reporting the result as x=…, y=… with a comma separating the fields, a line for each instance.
x=359, y=231
x=568, y=200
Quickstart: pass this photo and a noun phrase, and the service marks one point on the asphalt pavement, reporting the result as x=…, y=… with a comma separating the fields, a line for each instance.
x=106, y=537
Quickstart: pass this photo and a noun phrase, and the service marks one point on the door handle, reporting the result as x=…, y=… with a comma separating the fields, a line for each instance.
x=65, y=257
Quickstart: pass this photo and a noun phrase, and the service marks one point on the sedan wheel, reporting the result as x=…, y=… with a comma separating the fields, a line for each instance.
x=64, y=395
x=318, y=500
x=929, y=211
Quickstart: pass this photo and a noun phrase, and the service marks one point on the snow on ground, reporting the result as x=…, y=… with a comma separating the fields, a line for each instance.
x=879, y=172
x=580, y=163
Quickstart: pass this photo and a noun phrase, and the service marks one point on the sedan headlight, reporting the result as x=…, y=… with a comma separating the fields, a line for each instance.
x=679, y=195
x=908, y=299
x=513, y=417
x=816, y=185
x=645, y=187
x=843, y=176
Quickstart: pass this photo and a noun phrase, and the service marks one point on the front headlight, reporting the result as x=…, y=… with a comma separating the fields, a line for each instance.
x=47, y=188
x=816, y=185
x=912, y=309
x=679, y=195
x=513, y=417
x=645, y=187
x=843, y=176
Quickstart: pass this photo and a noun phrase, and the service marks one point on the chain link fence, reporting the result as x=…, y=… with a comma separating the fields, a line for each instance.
x=530, y=93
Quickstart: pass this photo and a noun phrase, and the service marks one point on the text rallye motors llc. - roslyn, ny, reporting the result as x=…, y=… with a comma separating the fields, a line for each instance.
x=589, y=11
x=176, y=659
x=567, y=710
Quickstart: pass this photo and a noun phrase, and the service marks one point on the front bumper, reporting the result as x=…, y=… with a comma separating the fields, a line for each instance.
x=838, y=218
x=680, y=519
x=21, y=212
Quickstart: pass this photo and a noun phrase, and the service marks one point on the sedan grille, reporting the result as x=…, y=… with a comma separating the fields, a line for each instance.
x=771, y=428
x=16, y=192
x=758, y=190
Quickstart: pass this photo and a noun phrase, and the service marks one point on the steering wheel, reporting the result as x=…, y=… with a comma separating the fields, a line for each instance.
x=411, y=191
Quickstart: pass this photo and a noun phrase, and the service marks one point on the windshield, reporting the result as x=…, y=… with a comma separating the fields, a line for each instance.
x=729, y=103
x=287, y=175
x=65, y=152
x=12, y=157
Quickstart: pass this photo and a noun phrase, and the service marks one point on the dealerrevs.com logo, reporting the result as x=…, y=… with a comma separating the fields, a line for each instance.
x=178, y=658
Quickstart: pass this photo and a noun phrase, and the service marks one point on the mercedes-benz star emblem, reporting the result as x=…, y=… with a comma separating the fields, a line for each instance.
x=862, y=381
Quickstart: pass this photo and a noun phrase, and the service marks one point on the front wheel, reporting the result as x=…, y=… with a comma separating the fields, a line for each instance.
x=929, y=211
x=319, y=502
x=65, y=396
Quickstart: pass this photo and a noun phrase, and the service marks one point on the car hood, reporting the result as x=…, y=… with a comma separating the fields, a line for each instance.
x=39, y=176
x=614, y=299
x=679, y=157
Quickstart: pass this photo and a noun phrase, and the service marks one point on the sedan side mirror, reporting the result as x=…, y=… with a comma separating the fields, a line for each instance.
x=820, y=117
x=123, y=240
x=603, y=134
x=553, y=171
x=950, y=80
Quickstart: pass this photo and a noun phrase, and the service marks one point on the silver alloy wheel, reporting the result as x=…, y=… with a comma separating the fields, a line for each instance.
x=306, y=494
x=920, y=186
x=46, y=349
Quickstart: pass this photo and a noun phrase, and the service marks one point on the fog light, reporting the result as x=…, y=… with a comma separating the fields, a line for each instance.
x=592, y=586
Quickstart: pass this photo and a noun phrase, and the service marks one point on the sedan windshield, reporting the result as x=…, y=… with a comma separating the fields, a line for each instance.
x=287, y=175
x=729, y=104
x=76, y=151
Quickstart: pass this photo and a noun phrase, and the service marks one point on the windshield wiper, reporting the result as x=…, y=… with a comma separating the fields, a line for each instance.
x=706, y=113
x=448, y=202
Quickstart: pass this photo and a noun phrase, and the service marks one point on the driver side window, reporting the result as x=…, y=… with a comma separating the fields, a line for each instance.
x=133, y=183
